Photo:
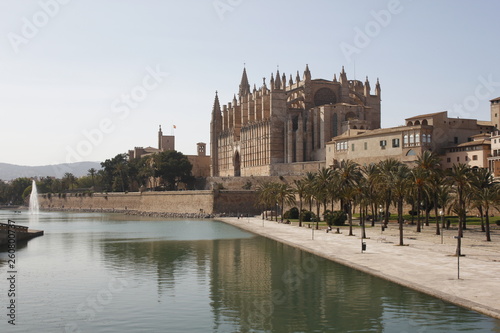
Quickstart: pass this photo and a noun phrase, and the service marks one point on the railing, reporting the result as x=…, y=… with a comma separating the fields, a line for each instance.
x=17, y=228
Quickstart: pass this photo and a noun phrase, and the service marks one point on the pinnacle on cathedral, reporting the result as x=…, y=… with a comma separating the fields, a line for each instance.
x=277, y=84
x=244, y=86
x=216, y=111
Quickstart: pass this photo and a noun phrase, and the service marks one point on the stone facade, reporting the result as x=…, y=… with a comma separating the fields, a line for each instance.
x=281, y=129
x=434, y=132
x=495, y=112
x=200, y=161
x=474, y=153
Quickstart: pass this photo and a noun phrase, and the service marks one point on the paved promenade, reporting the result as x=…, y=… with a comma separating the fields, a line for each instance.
x=425, y=264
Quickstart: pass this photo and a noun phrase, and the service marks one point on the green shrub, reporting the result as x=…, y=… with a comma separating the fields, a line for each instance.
x=308, y=216
x=336, y=218
x=293, y=213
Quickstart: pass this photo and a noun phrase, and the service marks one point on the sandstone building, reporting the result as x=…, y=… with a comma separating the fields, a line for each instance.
x=435, y=132
x=283, y=128
x=200, y=161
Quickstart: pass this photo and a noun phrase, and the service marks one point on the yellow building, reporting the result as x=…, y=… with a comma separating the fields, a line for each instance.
x=434, y=132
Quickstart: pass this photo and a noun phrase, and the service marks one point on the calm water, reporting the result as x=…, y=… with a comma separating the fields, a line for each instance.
x=114, y=273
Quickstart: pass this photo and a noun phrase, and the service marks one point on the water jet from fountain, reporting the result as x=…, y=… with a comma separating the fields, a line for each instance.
x=34, y=207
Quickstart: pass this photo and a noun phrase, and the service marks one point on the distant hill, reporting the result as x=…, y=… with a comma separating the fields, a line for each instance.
x=78, y=169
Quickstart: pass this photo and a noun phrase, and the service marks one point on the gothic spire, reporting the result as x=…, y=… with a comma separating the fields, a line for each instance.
x=343, y=76
x=216, y=110
x=367, y=87
x=277, y=83
x=244, y=86
x=307, y=73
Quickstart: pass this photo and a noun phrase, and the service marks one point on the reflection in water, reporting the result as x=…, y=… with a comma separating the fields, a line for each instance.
x=204, y=276
x=260, y=285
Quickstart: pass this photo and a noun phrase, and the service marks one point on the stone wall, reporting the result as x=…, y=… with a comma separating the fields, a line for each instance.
x=178, y=202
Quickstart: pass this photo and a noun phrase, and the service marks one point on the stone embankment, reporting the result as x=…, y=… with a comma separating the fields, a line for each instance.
x=146, y=214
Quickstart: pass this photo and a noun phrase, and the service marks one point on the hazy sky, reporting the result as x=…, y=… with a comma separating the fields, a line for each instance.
x=86, y=80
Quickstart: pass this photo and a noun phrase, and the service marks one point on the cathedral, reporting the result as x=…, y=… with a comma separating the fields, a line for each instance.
x=282, y=127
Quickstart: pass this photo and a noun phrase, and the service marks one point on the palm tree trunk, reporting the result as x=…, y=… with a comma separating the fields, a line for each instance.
x=318, y=204
x=418, y=212
x=373, y=214
x=364, y=211
x=386, y=213
x=488, y=236
x=400, y=220
x=300, y=211
x=282, y=208
x=349, y=214
x=438, y=232
x=480, y=209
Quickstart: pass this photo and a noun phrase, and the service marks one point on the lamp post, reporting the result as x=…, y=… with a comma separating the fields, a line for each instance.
x=441, y=213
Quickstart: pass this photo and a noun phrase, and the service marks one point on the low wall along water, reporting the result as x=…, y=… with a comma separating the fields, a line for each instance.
x=170, y=202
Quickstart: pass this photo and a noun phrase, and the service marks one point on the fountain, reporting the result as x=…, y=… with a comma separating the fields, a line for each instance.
x=34, y=207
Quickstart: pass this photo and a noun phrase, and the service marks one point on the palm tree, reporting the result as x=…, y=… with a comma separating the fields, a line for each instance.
x=69, y=179
x=480, y=179
x=309, y=181
x=486, y=196
x=386, y=168
x=301, y=190
x=370, y=174
x=399, y=183
x=418, y=180
x=459, y=177
x=444, y=198
x=348, y=178
x=92, y=173
x=266, y=196
x=285, y=196
x=363, y=199
x=319, y=194
x=430, y=163
x=323, y=179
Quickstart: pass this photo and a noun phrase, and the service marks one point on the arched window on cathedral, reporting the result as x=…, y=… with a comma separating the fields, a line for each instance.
x=417, y=139
x=424, y=138
x=412, y=139
x=429, y=138
x=405, y=139
x=324, y=96
x=424, y=122
x=411, y=152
